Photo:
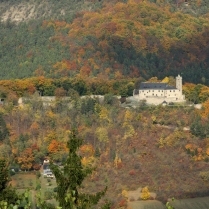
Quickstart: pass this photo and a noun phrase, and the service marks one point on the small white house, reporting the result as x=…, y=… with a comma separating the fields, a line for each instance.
x=46, y=169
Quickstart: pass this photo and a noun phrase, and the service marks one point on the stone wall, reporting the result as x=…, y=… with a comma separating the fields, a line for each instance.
x=158, y=100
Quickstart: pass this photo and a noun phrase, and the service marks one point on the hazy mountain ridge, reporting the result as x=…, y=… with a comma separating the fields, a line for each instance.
x=22, y=10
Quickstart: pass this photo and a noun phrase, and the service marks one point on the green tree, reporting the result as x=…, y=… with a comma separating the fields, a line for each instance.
x=7, y=194
x=197, y=128
x=4, y=175
x=3, y=129
x=80, y=86
x=71, y=177
x=87, y=105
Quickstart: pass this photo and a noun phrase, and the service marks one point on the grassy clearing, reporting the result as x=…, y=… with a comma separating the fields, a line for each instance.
x=24, y=181
x=195, y=203
x=47, y=189
x=47, y=184
x=148, y=204
x=191, y=203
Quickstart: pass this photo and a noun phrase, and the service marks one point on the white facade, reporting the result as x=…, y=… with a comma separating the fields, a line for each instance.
x=157, y=93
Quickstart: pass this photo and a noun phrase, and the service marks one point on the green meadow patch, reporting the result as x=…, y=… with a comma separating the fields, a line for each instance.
x=192, y=203
x=24, y=180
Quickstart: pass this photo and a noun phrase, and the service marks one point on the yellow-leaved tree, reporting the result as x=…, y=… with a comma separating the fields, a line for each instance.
x=117, y=162
x=87, y=154
x=102, y=135
x=125, y=193
x=129, y=129
x=165, y=80
x=145, y=194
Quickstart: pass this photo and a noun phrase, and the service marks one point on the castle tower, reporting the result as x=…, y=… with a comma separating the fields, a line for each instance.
x=179, y=83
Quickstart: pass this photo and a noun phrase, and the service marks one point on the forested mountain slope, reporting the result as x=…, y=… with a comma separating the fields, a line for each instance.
x=112, y=40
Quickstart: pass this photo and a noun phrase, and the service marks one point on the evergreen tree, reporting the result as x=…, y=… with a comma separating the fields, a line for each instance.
x=7, y=194
x=197, y=128
x=3, y=129
x=71, y=177
x=4, y=175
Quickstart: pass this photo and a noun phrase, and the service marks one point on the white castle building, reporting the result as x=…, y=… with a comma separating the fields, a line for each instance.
x=158, y=93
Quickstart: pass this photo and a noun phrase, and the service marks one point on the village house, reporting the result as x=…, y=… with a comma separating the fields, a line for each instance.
x=160, y=93
x=46, y=170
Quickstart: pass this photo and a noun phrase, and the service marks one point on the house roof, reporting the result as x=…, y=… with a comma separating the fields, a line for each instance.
x=145, y=85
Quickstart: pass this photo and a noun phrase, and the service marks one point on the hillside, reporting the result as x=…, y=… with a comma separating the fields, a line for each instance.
x=131, y=148
x=113, y=40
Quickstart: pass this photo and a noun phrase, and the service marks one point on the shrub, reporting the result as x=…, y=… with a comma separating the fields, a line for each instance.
x=123, y=203
x=132, y=172
x=49, y=205
x=30, y=183
x=38, y=186
x=137, y=166
x=15, y=168
x=48, y=195
x=11, y=172
x=36, y=166
x=38, y=174
x=204, y=175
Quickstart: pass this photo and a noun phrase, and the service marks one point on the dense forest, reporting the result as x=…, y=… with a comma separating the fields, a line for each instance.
x=106, y=39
